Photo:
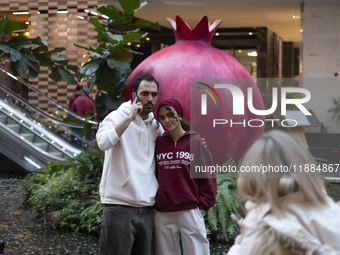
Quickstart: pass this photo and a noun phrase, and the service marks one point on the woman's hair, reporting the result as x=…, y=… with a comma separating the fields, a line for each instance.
x=185, y=126
x=279, y=171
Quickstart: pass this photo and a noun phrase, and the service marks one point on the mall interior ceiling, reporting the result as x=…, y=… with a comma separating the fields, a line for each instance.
x=280, y=16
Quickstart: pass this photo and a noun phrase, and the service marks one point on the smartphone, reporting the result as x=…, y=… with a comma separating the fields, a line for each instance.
x=134, y=96
x=237, y=220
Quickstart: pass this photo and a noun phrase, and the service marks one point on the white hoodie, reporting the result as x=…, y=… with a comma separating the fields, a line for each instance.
x=128, y=176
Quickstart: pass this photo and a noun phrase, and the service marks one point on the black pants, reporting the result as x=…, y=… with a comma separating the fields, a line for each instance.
x=127, y=230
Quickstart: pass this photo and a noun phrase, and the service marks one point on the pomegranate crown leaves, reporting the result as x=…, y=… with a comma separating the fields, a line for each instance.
x=203, y=31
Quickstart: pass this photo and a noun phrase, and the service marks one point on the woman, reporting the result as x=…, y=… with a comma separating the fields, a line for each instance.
x=289, y=211
x=181, y=200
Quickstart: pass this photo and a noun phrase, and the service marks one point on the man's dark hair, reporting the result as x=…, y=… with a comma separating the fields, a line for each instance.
x=143, y=77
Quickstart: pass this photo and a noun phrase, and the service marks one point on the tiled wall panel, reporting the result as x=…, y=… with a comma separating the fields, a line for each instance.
x=59, y=30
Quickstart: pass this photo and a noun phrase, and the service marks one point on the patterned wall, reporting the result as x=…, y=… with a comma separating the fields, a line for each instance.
x=61, y=23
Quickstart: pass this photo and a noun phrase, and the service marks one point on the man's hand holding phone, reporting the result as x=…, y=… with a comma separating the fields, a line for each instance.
x=136, y=106
x=135, y=109
x=134, y=97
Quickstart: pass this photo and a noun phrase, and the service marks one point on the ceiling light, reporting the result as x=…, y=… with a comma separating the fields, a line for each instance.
x=62, y=11
x=252, y=54
x=183, y=3
x=20, y=13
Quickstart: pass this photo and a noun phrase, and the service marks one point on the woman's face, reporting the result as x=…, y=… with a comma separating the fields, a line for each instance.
x=169, y=118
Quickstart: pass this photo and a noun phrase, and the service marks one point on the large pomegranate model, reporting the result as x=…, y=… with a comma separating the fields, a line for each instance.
x=192, y=63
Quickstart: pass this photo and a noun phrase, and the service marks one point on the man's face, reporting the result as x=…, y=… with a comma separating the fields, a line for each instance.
x=147, y=94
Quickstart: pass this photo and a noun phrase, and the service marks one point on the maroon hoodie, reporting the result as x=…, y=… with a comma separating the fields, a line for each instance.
x=178, y=190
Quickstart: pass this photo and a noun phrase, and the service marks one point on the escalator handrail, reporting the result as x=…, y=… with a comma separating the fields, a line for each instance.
x=24, y=101
x=30, y=144
x=68, y=149
x=47, y=97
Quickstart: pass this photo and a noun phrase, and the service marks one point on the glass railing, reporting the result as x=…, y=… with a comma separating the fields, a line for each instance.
x=23, y=97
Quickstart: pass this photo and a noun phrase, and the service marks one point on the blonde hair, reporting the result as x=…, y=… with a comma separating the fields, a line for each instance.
x=291, y=182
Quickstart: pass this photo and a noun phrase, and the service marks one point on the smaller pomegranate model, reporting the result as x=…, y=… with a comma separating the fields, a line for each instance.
x=193, y=58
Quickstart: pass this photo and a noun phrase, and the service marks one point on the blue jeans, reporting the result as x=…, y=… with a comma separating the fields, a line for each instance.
x=127, y=230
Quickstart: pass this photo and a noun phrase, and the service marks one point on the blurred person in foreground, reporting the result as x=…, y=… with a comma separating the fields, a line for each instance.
x=287, y=212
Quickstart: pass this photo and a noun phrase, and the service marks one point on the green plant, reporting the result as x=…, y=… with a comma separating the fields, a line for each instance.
x=109, y=64
x=92, y=215
x=28, y=54
x=218, y=217
x=66, y=188
x=335, y=110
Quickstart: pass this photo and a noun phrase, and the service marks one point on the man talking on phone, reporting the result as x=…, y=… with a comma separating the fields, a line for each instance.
x=128, y=184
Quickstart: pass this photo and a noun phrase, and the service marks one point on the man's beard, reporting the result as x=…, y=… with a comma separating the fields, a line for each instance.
x=146, y=110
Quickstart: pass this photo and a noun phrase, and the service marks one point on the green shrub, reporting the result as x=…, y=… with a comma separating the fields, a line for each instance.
x=67, y=188
x=92, y=215
x=218, y=217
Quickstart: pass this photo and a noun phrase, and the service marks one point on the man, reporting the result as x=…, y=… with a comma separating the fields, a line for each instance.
x=83, y=103
x=128, y=184
x=75, y=95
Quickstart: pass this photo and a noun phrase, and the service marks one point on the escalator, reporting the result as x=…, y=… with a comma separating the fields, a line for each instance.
x=30, y=137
